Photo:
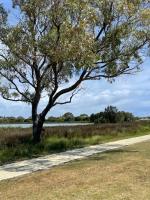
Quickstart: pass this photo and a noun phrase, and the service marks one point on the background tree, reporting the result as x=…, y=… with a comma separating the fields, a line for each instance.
x=82, y=118
x=56, y=42
x=68, y=116
x=112, y=115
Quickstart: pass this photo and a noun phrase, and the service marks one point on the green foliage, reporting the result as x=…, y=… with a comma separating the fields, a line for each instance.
x=82, y=118
x=101, y=36
x=12, y=120
x=3, y=17
x=68, y=116
x=112, y=115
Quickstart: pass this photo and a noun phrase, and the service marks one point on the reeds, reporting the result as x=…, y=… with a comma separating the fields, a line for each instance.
x=16, y=143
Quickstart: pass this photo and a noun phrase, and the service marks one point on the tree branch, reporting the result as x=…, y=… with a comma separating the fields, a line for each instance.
x=10, y=99
x=53, y=99
x=69, y=101
x=16, y=87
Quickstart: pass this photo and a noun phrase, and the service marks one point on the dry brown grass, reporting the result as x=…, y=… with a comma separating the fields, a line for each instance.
x=16, y=144
x=117, y=175
x=15, y=136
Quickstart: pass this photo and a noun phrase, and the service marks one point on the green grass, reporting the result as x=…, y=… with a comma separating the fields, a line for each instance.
x=16, y=144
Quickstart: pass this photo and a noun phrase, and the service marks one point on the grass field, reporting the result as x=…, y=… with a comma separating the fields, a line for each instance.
x=116, y=175
x=16, y=144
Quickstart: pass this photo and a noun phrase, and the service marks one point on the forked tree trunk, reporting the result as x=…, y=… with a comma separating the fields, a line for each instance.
x=38, y=122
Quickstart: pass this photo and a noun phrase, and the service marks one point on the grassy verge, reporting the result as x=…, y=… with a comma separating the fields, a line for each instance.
x=121, y=174
x=15, y=144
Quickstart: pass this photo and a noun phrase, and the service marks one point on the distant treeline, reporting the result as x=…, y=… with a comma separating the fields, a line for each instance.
x=109, y=115
x=67, y=117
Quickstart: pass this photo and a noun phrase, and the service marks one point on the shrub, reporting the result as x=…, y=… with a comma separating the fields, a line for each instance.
x=112, y=115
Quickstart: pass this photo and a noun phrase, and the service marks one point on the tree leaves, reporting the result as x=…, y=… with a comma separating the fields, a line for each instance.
x=56, y=40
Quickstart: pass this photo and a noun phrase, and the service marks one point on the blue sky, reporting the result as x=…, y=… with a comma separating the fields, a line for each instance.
x=129, y=93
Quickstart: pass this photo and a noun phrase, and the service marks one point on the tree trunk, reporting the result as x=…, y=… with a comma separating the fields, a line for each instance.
x=37, y=130
x=37, y=122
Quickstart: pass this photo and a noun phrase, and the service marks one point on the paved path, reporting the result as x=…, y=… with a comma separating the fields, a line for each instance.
x=28, y=166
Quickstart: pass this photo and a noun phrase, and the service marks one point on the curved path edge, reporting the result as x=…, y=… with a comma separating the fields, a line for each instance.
x=21, y=168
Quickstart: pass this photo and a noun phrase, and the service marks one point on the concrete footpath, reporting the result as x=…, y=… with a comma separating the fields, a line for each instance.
x=28, y=166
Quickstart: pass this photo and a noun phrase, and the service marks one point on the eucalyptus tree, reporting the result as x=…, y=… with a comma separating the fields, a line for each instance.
x=55, y=45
